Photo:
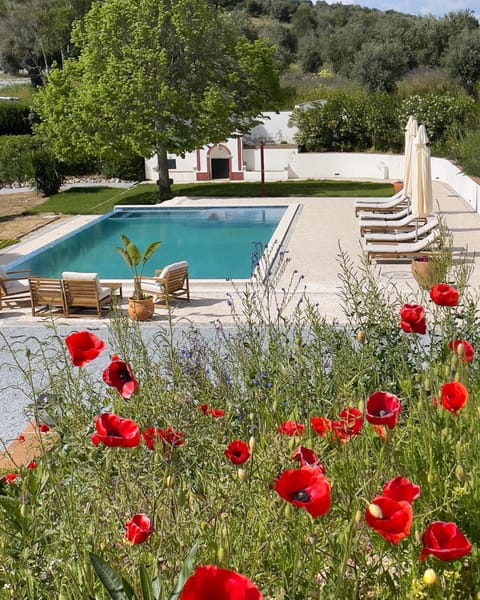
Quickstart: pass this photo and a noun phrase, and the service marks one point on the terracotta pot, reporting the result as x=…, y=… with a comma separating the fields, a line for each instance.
x=141, y=310
x=423, y=272
x=397, y=186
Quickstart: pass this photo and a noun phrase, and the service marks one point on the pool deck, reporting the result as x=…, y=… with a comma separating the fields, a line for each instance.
x=321, y=227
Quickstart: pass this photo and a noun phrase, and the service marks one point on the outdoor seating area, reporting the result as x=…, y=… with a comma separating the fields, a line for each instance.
x=404, y=225
x=78, y=294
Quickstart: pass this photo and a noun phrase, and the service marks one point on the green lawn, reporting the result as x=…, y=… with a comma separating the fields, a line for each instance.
x=99, y=200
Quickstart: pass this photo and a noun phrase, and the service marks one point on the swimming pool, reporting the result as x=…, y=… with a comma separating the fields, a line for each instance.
x=218, y=242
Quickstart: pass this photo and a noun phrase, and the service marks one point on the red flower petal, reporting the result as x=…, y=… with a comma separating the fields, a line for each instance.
x=237, y=452
x=119, y=375
x=445, y=541
x=138, y=529
x=83, y=347
x=383, y=408
x=444, y=295
x=393, y=520
x=454, y=396
x=305, y=488
x=400, y=488
x=291, y=428
x=467, y=352
x=114, y=431
x=212, y=583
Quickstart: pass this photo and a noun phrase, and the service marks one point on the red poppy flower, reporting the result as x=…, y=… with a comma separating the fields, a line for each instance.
x=31, y=465
x=350, y=424
x=320, y=425
x=83, y=347
x=383, y=409
x=307, y=458
x=466, y=351
x=10, y=478
x=444, y=295
x=400, y=488
x=389, y=518
x=114, y=431
x=291, y=428
x=454, y=396
x=44, y=428
x=237, y=452
x=119, y=375
x=305, y=488
x=412, y=319
x=138, y=529
x=167, y=437
x=21, y=438
x=218, y=584
x=215, y=413
x=445, y=541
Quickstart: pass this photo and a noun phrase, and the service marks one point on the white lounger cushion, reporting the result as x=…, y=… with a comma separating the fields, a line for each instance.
x=402, y=247
x=371, y=216
x=79, y=276
x=14, y=286
x=403, y=236
x=172, y=267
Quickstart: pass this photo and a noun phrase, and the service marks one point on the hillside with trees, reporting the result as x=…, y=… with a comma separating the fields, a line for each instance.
x=373, y=68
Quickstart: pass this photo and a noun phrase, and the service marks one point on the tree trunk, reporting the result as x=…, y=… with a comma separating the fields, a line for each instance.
x=163, y=178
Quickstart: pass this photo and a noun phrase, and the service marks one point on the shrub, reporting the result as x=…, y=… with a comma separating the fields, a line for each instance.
x=16, y=158
x=47, y=172
x=14, y=119
x=129, y=168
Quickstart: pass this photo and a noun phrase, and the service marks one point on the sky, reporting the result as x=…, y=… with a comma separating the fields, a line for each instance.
x=418, y=7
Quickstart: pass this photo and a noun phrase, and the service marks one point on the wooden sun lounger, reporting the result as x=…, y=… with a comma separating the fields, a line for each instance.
x=391, y=205
x=388, y=225
x=14, y=286
x=170, y=283
x=400, y=249
x=385, y=216
x=47, y=295
x=412, y=233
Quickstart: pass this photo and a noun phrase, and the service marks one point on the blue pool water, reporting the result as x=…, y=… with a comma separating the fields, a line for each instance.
x=217, y=242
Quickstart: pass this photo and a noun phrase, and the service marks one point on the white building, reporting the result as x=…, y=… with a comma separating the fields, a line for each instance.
x=238, y=158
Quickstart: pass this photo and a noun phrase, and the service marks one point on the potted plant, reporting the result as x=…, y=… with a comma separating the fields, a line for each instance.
x=140, y=305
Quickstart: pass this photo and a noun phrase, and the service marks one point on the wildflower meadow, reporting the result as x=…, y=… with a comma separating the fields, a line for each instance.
x=283, y=457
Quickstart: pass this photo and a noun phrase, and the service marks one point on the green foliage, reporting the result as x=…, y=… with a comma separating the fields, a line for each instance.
x=154, y=77
x=425, y=82
x=437, y=112
x=348, y=123
x=47, y=172
x=130, y=167
x=136, y=262
x=16, y=158
x=462, y=60
x=14, y=119
x=378, y=66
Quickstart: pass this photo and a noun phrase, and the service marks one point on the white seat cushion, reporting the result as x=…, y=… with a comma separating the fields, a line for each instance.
x=172, y=267
x=78, y=275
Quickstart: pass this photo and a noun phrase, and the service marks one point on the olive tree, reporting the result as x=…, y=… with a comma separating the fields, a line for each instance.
x=155, y=76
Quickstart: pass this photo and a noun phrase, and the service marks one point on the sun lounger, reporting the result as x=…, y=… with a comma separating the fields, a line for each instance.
x=47, y=295
x=391, y=205
x=400, y=249
x=170, y=283
x=411, y=234
x=388, y=225
x=378, y=201
x=14, y=286
x=385, y=216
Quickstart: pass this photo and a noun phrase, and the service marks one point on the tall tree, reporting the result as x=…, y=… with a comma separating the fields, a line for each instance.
x=156, y=76
x=35, y=33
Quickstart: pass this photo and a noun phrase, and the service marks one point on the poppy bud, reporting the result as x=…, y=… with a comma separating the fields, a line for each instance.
x=358, y=517
x=292, y=442
x=361, y=337
x=445, y=434
x=460, y=473
x=375, y=511
x=221, y=554
x=457, y=376
x=361, y=406
x=427, y=384
x=430, y=477
x=242, y=474
x=252, y=443
x=430, y=578
x=274, y=406
x=454, y=361
x=169, y=481
x=461, y=350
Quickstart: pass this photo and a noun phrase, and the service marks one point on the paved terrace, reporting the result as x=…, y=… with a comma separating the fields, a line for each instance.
x=319, y=228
